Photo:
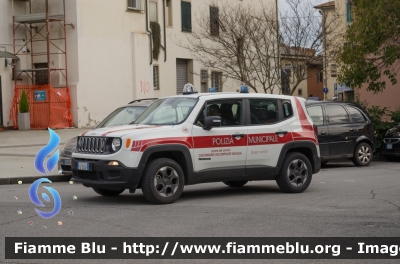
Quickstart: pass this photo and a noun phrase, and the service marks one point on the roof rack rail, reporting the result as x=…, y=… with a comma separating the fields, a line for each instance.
x=144, y=99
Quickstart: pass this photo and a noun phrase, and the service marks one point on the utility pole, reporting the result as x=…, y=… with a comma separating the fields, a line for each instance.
x=324, y=59
x=278, y=46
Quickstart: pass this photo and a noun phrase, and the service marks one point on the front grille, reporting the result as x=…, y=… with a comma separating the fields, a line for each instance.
x=88, y=175
x=391, y=140
x=91, y=144
x=87, y=160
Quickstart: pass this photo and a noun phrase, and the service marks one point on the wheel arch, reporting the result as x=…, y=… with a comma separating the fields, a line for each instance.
x=179, y=153
x=305, y=147
x=364, y=139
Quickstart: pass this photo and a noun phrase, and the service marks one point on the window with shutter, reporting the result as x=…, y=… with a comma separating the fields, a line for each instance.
x=155, y=78
x=214, y=21
x=216, y=81
x=134, y=4
x=285, y=81
x=349, y=12
x=169, y=12
x=333, y=70
x=320, y=77
x=186, y=16
x=153, y=12
x=204, y=80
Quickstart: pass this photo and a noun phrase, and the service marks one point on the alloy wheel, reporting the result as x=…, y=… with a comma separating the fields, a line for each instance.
x=297, y=172
x=166, y=181
x=364, y=154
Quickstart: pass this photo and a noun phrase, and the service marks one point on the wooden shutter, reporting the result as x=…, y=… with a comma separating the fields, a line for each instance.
x=214, y=17
x=186, y=16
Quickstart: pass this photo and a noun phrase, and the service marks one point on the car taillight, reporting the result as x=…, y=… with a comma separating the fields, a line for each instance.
x=315, y=130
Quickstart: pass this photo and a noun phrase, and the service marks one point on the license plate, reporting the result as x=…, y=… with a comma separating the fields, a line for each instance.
x=389, y=146
x=66, y=162
x=83, y=166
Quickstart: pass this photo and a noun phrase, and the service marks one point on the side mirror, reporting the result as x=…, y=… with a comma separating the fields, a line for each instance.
x=212, y=121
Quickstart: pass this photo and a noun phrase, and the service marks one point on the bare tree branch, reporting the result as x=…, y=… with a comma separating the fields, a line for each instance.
x=241, y=43
x=303, y=35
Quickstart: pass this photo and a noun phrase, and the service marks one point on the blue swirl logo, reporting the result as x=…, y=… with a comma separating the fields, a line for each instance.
x=45, y=151
x=35, y=199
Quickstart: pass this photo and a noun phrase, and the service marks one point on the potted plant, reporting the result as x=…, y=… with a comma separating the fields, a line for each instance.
x=24, y=121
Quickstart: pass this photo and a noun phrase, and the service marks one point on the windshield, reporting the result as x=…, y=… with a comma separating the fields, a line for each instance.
x=122, y=116
x=168, y=111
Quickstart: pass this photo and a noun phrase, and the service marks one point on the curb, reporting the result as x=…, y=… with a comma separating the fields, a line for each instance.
x=27, y=179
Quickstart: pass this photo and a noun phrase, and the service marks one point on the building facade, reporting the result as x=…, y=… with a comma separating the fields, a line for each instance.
x=109, y=52
x=388, y=98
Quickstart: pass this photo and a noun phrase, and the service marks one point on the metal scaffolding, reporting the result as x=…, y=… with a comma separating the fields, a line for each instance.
x=38, y=26
x=49, y=100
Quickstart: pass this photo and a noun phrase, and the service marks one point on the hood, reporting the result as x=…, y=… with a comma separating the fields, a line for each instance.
x=393, y=132
x=120, y=131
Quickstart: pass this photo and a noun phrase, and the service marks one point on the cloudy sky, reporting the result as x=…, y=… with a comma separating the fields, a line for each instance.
x=283, y=4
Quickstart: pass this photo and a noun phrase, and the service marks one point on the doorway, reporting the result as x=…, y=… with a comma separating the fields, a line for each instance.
x=181, y=75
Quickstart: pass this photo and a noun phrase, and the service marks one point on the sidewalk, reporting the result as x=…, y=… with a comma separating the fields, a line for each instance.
x=18, y=150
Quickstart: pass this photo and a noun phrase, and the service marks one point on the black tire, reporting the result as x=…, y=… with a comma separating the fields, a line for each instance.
x=235, y=184
x=162, y=181
x=323, y=163
x=296, y=173
x=362, y=154
x=106, y=192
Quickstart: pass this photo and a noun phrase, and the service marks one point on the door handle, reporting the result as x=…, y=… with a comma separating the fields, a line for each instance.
x=323, y=133
x=351, y=129
x=238, y=135
x=281, y=132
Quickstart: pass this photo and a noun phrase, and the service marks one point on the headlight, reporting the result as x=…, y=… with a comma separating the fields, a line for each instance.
x=70, y=146
x=116, y=144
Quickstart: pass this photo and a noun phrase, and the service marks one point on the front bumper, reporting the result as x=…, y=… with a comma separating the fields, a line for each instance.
x=317, y=164
x=64, y=165
x=102, y=175
x=394, y=152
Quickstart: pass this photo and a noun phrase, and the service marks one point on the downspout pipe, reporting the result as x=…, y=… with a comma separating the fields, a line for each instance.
x=150, y=34
x=165, y=34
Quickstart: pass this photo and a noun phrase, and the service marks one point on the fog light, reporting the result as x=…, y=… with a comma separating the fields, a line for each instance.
x=113, y=163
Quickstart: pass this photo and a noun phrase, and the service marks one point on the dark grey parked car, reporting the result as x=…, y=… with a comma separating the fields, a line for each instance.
x=391, y=144
x=344, y=131
x=121, y=116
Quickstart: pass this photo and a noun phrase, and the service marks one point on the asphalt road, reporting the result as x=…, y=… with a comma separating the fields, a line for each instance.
x=342, y=200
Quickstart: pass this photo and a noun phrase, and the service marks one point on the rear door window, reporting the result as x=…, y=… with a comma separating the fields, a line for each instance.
x=337, y=115
x=316, y=114
x=263, y=111
x=356, y=115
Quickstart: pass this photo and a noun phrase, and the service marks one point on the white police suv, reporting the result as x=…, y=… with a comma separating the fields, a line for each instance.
x=197, y=138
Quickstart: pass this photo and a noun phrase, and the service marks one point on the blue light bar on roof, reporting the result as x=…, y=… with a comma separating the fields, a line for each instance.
x=244, y=89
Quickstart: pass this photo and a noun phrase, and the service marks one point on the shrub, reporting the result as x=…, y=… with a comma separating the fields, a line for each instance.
x=395, y=116
x=23, y=103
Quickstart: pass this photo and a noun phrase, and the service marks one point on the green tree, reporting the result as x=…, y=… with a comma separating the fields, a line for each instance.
x=373, y=44
x=23, y=103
